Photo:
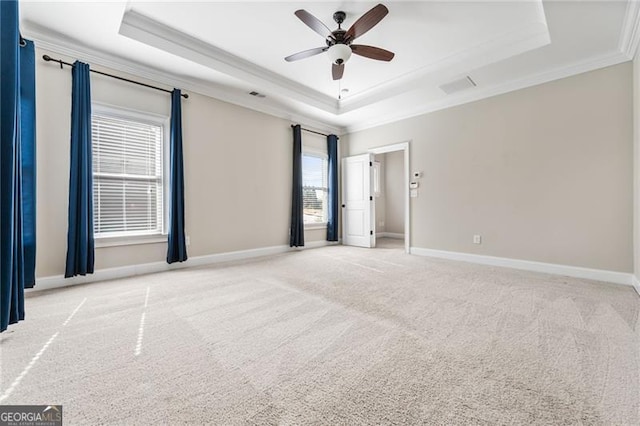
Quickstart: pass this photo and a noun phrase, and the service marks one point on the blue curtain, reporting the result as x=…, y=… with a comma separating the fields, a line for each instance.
x=332, y=205
x=296, y=237
x=80, y=245
x=177, y=250
x=11, y=249
x=28, y=146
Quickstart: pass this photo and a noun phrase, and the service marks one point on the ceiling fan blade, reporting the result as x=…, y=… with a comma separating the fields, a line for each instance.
x=306, y=54
x=366, y=22
x=312, y=22
x=372, y=52
x=337, y=71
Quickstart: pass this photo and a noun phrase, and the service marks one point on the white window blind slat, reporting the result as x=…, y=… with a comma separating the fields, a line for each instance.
x=127, y=176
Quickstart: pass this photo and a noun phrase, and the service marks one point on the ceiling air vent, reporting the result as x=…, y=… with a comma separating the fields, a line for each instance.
x=458, y=85
x=257, y=94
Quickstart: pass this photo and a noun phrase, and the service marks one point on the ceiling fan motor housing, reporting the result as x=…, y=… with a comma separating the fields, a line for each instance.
x=337, y=36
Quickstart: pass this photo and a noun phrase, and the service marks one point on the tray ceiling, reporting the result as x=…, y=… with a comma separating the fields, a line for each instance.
x=227, y=49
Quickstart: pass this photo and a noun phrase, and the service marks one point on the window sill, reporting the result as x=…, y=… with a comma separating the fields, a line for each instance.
x=314, y=226
x=130, y=241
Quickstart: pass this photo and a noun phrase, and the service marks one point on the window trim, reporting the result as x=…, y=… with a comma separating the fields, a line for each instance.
x=130, y=240
x=311, y=152
x=143, y=237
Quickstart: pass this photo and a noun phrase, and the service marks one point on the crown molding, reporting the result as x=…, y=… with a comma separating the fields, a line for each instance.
x=153, y=33
x=479, y=94
x=56, y=43
x=630, y=34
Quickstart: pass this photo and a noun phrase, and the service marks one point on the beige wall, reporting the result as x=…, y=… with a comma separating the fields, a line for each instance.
x=237, y=172
x=394, y=188
x=543, y=174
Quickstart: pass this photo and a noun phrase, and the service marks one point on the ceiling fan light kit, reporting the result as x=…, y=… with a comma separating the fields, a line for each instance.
x=339, y=53
x=339, y=47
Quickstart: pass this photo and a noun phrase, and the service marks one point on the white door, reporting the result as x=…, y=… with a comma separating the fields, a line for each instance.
x=357, y=201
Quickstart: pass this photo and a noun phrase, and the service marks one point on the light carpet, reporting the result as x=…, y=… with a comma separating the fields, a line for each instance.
x=336, y=335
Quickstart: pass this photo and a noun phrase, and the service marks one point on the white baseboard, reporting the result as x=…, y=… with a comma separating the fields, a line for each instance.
x=636, y=284
x=527, y=265
x=57, y=281
x=390, y=235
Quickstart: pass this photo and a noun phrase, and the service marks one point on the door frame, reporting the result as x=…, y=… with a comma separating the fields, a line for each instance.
x=402, y=146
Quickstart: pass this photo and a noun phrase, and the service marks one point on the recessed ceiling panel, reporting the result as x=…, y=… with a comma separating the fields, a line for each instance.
x=423, y=35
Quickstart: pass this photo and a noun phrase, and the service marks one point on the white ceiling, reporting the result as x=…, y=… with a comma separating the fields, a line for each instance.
x=226, y=49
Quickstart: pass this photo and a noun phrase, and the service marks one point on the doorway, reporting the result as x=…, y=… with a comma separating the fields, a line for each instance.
x=362, y=178
x=391, y=196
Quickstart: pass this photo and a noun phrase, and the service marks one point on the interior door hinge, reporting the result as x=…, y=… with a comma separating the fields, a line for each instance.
x=370, y=197
x=370, y=164
x=370, y=232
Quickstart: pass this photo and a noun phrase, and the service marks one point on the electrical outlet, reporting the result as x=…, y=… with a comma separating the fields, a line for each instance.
x=381, y=223
x=187, y=240
x=477, y=239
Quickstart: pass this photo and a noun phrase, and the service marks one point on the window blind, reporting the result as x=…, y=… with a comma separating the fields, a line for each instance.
x=127, y=176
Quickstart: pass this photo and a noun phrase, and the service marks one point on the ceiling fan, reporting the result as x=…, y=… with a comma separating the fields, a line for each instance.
x=339, y=47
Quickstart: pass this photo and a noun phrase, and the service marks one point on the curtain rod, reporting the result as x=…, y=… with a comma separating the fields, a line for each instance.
x=61, y=62
x=312, y=131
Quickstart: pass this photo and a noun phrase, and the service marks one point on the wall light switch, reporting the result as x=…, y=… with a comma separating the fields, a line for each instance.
x=477, y=239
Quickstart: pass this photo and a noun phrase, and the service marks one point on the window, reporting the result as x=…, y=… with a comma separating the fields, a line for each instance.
x=314, y=188
x=128, y=184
